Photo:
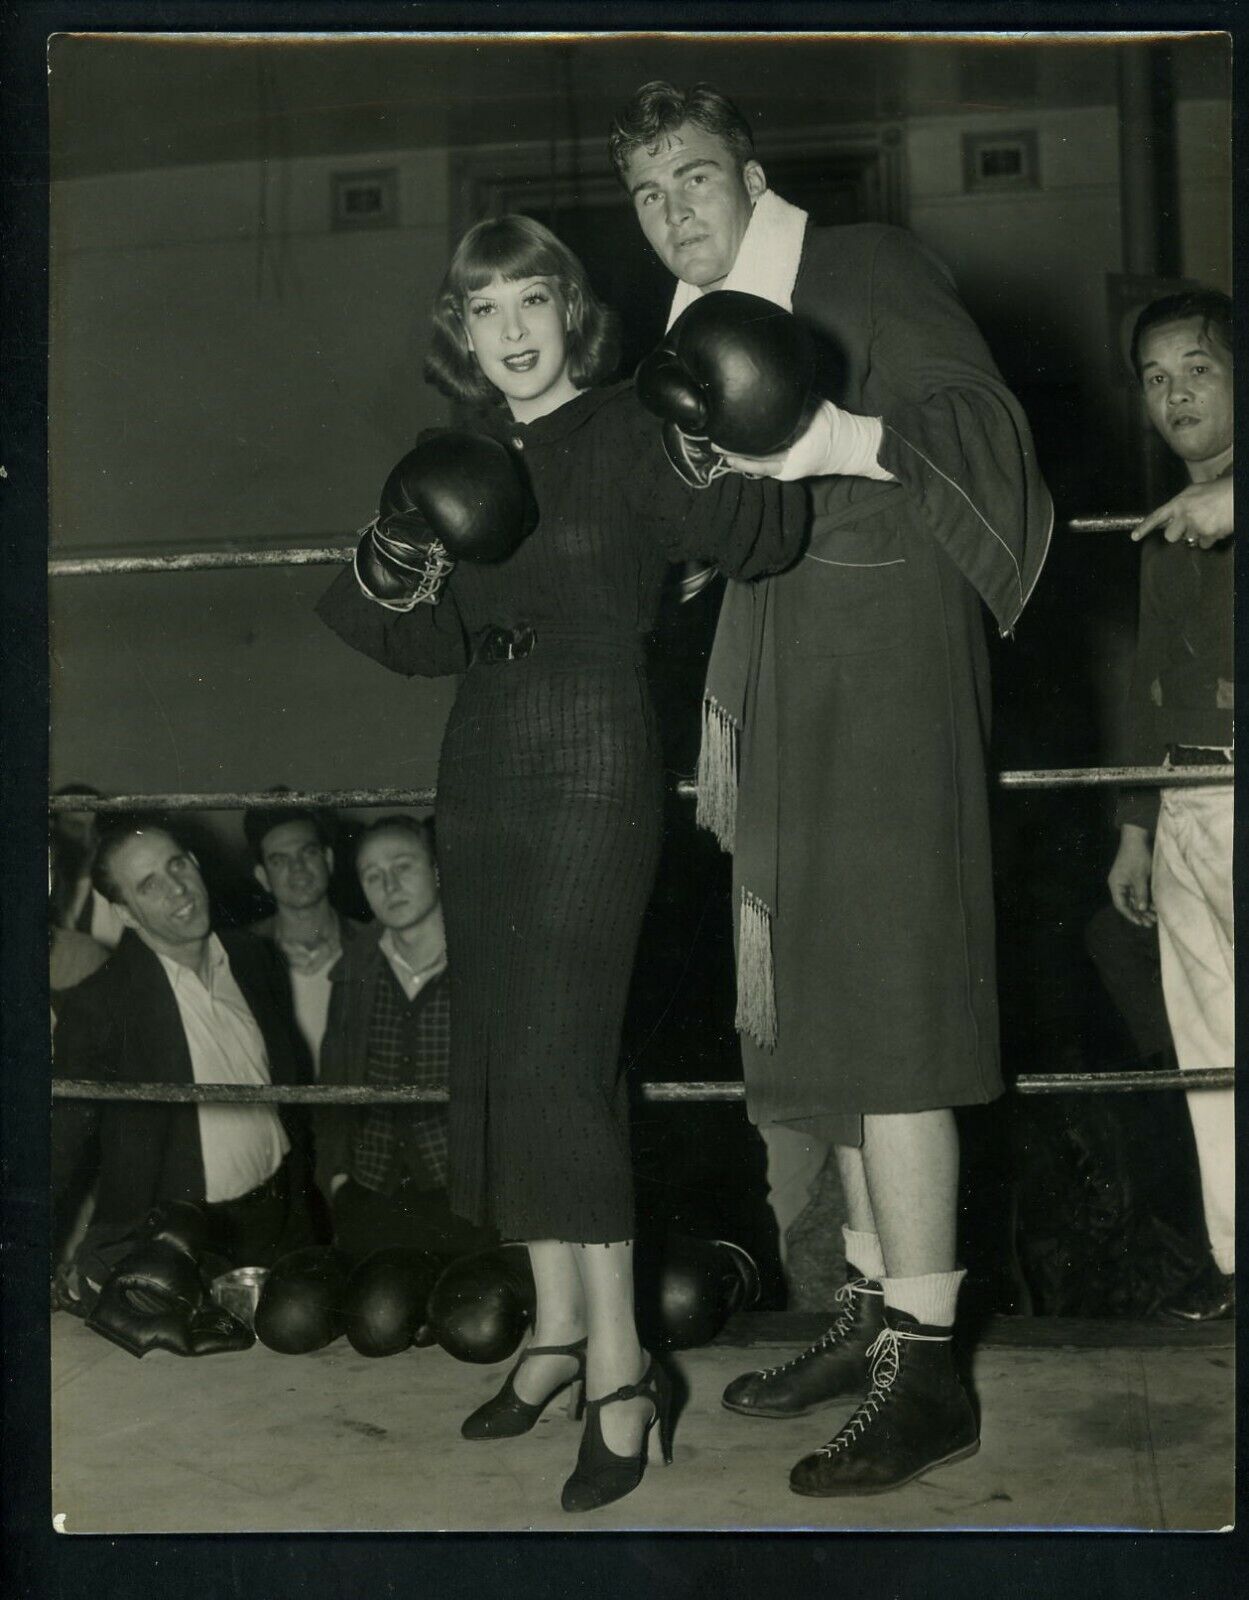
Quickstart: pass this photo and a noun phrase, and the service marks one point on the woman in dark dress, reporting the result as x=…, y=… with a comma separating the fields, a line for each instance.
x=549, y=807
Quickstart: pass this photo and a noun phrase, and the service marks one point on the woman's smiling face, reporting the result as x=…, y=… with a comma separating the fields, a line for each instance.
x=518, y=330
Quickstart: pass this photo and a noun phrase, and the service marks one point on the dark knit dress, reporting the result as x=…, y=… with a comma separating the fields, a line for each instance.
x=550, y=801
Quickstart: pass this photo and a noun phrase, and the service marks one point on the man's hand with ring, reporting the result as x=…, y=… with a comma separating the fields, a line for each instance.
x=1201, y=515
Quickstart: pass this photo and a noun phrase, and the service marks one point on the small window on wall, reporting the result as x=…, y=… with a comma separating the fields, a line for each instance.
x=994, y=161
x=365, y=199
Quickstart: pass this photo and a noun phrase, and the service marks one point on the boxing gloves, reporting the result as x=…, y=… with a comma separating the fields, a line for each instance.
x=481, y=1305
x=300, y=1306
x=156, y=1300
x=453, y=497
x=384, y=1308
x=687, y=1292
x=733, y=369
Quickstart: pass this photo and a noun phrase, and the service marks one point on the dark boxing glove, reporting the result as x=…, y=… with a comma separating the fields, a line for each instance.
x=149, y=1299
x=481, y=1305
x=384, y=1307
x=733, y=369
x=691, y=1289
x=453, y=497
x=300, y=1305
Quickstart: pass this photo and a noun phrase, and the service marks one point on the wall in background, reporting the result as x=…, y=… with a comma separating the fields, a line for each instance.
x=225, y=366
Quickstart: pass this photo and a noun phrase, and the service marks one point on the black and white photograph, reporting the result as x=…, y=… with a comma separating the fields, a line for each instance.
x=641, y=782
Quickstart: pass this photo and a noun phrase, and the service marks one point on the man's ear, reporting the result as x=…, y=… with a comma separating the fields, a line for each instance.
x=262, y=878
x=328, y=851
x=755, y=179
x=124, y=915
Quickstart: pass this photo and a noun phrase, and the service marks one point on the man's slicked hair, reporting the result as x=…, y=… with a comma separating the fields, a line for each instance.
x=1210, y=306
x=659, y=108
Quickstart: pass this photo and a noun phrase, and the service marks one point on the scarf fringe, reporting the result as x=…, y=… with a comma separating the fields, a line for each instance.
x=756, y=980
x=717, y=774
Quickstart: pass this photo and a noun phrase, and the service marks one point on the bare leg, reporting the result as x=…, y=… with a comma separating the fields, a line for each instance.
x=614, y=1355
x=911, y=1164
x=859, y=1213
x=560, y=1318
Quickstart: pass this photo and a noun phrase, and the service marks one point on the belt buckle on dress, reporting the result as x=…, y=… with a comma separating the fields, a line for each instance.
x=520, y=641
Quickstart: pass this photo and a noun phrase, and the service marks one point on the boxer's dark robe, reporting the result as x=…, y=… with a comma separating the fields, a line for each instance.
x=862, y=806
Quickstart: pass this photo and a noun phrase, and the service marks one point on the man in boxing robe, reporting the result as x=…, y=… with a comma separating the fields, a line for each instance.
x=848, y=698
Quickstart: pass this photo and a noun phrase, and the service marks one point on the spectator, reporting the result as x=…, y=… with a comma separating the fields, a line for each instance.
x=385, y=1167
x=293, y=859
x=1180, y=711
x=177, y=1003
x=75, y=907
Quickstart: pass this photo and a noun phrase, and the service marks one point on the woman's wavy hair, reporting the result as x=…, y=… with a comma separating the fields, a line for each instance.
x=513, y=247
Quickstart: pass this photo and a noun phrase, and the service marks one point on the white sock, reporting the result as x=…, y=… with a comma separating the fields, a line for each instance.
x=863, y=1251
x=930, y=1299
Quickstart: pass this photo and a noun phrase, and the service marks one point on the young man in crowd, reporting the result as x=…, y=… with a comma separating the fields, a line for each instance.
x=1174, y=864
x=293, y=859
x=384, y=1168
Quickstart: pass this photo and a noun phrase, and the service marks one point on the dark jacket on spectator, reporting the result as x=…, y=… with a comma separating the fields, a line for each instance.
x=345, y=1048
x=123, y=1024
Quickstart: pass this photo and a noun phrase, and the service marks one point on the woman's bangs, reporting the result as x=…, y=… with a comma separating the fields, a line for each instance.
x=504, y=253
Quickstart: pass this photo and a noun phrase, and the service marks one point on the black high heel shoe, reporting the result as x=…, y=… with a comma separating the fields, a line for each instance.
x=602, y=1476
x=505, y=1415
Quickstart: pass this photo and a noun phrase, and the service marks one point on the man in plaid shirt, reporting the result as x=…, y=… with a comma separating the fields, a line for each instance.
x=384, y=1168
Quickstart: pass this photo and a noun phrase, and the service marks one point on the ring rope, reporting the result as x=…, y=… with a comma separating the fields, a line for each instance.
x=325, y=554
x=357, y=1095
x=239, y=800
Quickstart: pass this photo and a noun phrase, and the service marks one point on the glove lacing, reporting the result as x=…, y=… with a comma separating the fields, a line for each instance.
x=428, y=576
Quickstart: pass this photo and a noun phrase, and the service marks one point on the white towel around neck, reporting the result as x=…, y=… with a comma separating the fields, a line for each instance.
x=767, y=259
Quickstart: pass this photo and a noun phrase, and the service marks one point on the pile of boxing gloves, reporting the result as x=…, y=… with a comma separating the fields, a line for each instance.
x=476, y=1308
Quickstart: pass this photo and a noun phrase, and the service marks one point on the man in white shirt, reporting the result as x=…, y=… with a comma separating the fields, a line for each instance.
x=179, y=1003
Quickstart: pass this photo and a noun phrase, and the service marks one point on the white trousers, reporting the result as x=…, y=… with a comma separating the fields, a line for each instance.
x=1192, y=890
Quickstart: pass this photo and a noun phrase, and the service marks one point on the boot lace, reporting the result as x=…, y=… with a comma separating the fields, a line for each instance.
x=884, y=1356
x=839, y=1330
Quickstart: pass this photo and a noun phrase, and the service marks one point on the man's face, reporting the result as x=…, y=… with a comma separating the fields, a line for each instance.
x=693, y=203
x=163, y=897
x=398, y=878
x=295, y=866
x=1187, y=381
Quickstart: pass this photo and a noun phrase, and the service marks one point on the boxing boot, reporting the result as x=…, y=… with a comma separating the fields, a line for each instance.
x=916, y=1416
x=833, y=1367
